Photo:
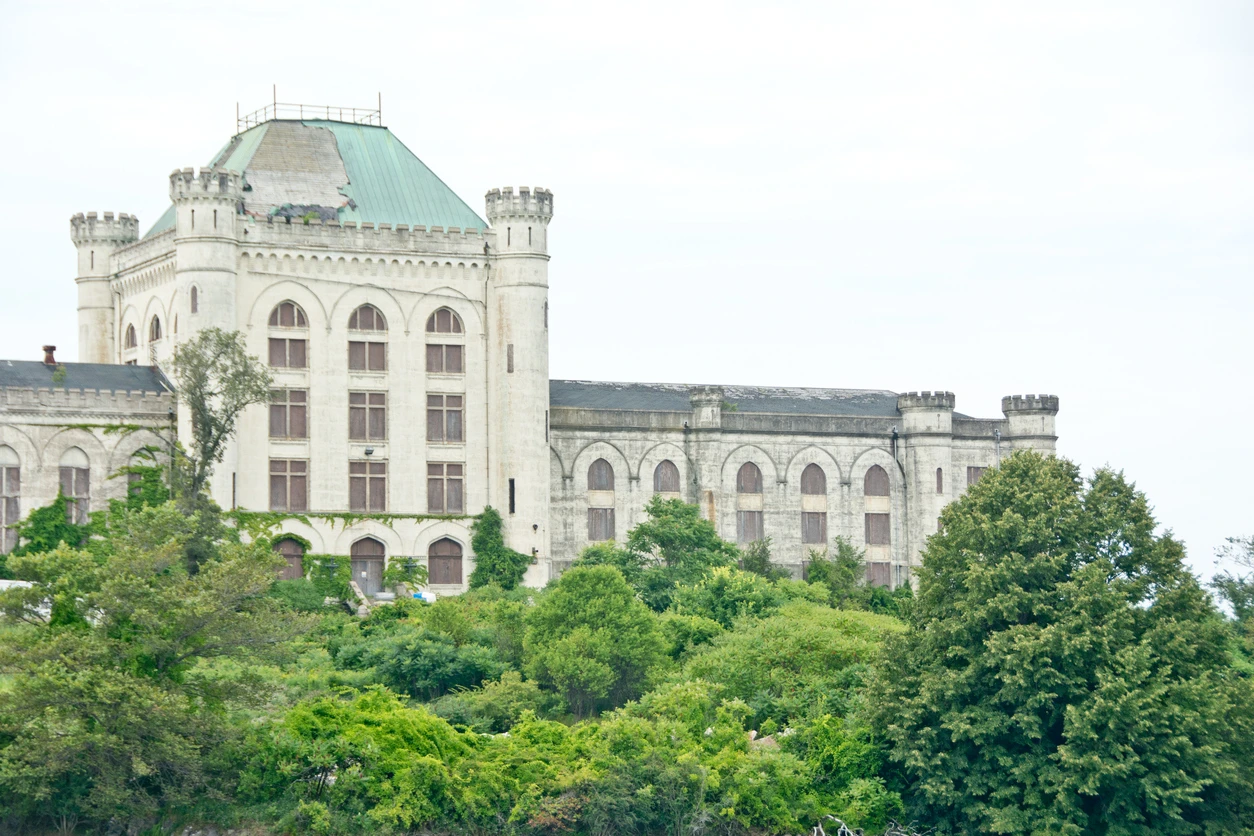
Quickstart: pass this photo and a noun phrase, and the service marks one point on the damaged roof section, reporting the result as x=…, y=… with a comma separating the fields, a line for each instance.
x=337, y=170
x=676, y=397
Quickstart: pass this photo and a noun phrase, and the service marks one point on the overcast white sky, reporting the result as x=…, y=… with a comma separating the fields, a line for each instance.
x=989, y=198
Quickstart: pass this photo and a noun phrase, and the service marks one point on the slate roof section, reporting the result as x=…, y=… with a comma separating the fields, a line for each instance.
x=360, y=173
x=105, y=377
x=675, y=397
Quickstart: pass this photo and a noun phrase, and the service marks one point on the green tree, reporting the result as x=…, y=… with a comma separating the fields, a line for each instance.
x=756, y=558
x=112, y=709
x=842, y=570
x=495, y=563
x=1063, y=672
x=591, y=640
x=1237, y=590
x=726, y=594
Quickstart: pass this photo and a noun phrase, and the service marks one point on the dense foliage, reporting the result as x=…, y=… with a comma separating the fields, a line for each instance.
x=1059, y=673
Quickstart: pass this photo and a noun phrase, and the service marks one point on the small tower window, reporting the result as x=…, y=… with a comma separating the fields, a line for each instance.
x=940, y=480
x=194, y=295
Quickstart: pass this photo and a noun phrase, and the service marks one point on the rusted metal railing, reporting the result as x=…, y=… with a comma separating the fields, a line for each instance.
x=287, y=110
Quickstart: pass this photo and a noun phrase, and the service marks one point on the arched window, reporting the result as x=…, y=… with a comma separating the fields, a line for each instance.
x=813, y=505
x=444, y=562
x=367, y=565
x=878, y=526
x=292, y=552
x=154, y=329
x=10, y=497
x=75, y=470
x=749, y=503
x=176, y=325
x=288, y=352
x=444, y=321
x=600, y=476
x=130, y=340
x=666, y=477
x=940, y=480
x=194, y=299
x=600, y=501
x=367, y=318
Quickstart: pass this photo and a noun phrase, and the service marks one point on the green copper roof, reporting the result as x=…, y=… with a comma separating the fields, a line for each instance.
x=360, y=173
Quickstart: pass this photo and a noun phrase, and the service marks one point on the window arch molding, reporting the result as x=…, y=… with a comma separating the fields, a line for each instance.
x=367, y=318
x=444, y=321
x=749, y=453
x=807, y=456
x=455, y=301
x=286, y=291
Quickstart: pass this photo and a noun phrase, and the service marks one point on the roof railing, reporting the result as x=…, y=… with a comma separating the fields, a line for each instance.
x=288, y=110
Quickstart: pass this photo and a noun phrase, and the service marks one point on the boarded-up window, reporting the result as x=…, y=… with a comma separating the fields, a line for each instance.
x=367, y=565
x=600, y=476
x=666, y=477
x=444, y=489
x=364, y=356
x=10, y=497
x=288, y=315
x=288, y=353
x=940, y=480
x=814, y=527
x=600, y=524
x=748, y=526
x=444, y=562
x=749, y=479
x=877, y=527
x=289, y=413
x=444, y=418
x=367, y=486
x=367, y=318
x=813, y=481
x=876, y=481
x=130, y=340
x=878, y=574
x=292, y=552
x=444, y=321
x=446, y=359
x=974, y=474
x=367, y=416
x=289, y=485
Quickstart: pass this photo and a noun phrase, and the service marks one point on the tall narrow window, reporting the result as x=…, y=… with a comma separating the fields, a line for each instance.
x=444, y=418
x=154, y=330
x=366, y=558
x=940, y=480
x=600, y=501
x=749, y=503
x=444, y=321
x=877, y=526
x=194, y=295
x=289, y=485
x=444, y=562
x=367, y=416
x=666, y=478
x=75, y=472
x=974, y=474
x=10, y=497
x=130, y=340
x=509, y=358
x=289, y=413
x=288, y=349
x=513, y=496
x=367, y=486
x=293, y=554
x=813, y=505
x=444, y=488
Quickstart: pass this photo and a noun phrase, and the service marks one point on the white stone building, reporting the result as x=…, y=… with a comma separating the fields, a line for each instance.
x=409, y=342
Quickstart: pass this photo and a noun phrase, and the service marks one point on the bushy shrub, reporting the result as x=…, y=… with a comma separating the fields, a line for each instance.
x=496, y=706
x=299, y=595
x=726, y=594
x=684, y=632
x=419, y=662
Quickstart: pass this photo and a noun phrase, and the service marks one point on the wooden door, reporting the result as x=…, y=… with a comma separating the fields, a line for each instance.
x=367, y=565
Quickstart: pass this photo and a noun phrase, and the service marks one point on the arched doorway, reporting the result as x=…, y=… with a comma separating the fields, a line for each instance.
x=444, y=562
x=367, y=565
x=292, y=551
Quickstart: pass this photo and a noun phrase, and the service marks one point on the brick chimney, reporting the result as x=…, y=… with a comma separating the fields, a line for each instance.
x=49, y=360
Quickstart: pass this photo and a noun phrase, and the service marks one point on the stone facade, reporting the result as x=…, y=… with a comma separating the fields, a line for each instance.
x=273, y=240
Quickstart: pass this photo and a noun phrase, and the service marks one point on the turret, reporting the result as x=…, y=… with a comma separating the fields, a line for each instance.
x=707, y=407
x=96, y=239
x=1031, y=417
x=518, y=370
x=926, y=412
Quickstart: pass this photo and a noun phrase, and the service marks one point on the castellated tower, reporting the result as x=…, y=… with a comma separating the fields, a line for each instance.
x=518, y=370
x=96, y=239
x=1031, y=419
x=927, y=440
x=206, y=255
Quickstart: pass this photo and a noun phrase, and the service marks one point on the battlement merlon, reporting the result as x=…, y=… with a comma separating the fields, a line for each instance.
x=1042, y=404
x=707, y=406
x=90, y=228
x=209, y=184
x=910, y=401
x=532, y=204
x=122, y=406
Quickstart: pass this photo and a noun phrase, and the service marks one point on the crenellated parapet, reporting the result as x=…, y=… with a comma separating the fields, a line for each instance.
x=110, y=229
x=351, y=236
x=125, y=406
x=908, y=401
x=209, y=184
x=528, y=204
x=1047, y=404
